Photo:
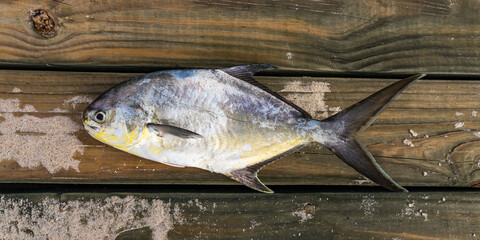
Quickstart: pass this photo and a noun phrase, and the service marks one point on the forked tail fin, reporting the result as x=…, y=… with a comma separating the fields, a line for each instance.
x=353, y=120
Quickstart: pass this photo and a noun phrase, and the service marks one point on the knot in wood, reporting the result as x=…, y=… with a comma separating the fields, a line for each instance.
x=43, y=23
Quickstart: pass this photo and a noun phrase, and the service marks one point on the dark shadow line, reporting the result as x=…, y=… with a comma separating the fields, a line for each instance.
x=15, y=188
x=273, y=73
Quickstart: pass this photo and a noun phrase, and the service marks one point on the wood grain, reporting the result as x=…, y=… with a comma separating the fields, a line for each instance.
x=200, y=215
x=437, y=108
x=329, y=36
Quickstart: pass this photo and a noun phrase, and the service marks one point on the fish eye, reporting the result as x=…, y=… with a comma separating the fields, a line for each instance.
x=100, y=117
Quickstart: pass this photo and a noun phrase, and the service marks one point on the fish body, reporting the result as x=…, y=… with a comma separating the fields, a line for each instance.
x=220, y=120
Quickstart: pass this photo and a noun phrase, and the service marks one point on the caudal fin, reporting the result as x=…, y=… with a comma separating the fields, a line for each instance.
x=353, y=120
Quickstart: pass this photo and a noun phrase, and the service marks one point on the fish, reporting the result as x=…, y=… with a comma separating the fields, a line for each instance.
x=222, y=120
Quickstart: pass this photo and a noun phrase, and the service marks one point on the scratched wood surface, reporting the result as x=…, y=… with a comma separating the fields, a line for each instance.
x=329, y=36
x=315, y=215
x=427, y=137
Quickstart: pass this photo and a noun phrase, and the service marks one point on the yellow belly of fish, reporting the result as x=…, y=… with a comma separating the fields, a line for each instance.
x=216, y=153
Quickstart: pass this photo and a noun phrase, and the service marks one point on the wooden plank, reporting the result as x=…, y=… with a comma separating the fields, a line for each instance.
x=197, y=215
x=334, y=36
x=42, y=139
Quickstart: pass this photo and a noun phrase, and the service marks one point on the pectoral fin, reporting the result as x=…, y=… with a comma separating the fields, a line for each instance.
x=173, y=165
x=164, y=130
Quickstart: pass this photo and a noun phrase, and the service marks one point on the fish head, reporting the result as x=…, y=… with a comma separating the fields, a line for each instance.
x=115, y=121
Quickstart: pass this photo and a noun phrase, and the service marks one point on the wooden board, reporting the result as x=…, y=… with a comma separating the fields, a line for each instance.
x=42, y=139
x=197, y=215
x=329, y=36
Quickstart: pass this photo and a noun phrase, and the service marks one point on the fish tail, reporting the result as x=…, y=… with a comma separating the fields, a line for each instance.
x=338, y=132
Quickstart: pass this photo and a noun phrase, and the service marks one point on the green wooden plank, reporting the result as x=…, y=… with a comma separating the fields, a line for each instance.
x=334, y=36
x=197, y=215
x=43, y=139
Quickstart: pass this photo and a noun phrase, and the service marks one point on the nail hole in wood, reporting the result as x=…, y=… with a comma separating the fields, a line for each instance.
x=309, y=208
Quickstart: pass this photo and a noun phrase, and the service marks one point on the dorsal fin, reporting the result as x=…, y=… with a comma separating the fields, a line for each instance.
x=246, y=72
x=248, y=176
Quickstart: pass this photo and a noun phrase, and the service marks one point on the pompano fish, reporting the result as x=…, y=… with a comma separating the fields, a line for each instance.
x=224, y=121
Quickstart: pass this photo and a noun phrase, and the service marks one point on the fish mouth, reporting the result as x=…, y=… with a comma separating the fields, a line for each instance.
x=92, y=128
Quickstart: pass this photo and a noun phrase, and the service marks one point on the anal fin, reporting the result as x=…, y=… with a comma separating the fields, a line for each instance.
x=248, y=177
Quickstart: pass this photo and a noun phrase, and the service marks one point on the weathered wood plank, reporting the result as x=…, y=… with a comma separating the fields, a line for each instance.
x=341, y=35
x=42, y=139
x=174, y=215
